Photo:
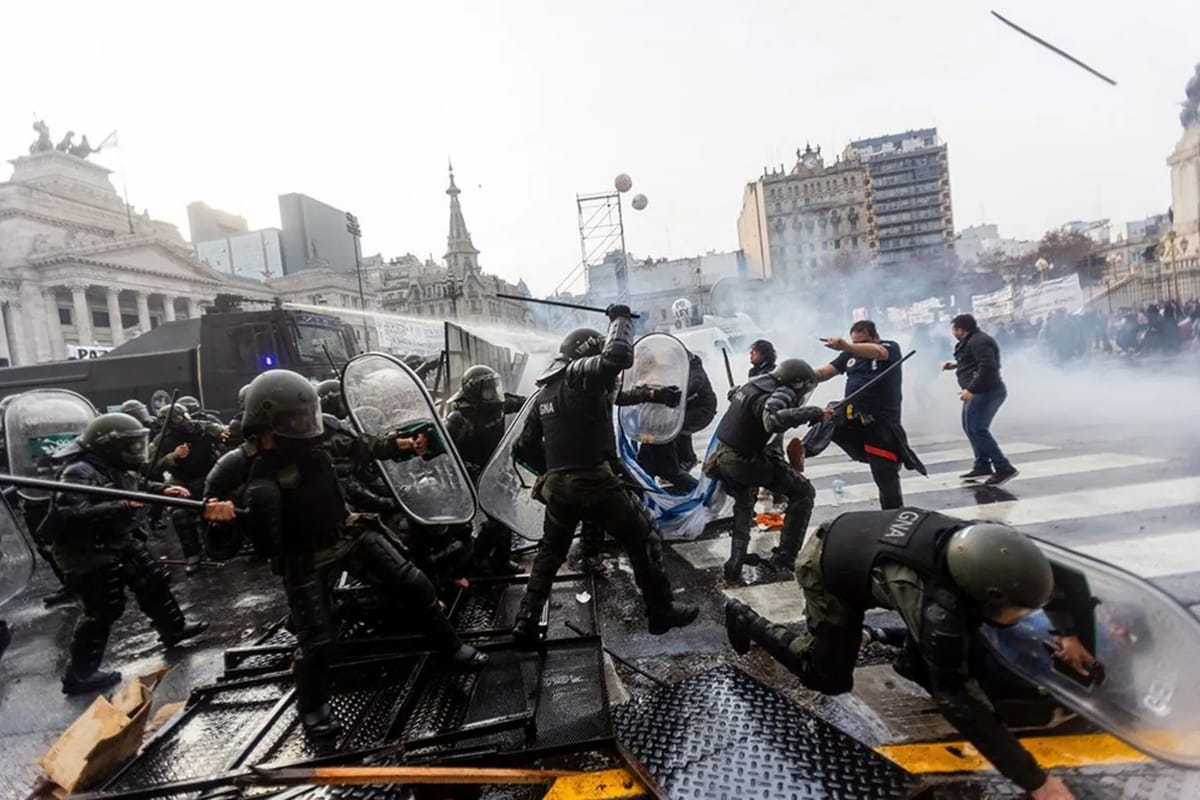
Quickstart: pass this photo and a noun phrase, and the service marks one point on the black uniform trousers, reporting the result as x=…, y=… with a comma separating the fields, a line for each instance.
x=876, y=444
x=595, y=494
x=102, y=593
x=376, y=561
x=189, y=523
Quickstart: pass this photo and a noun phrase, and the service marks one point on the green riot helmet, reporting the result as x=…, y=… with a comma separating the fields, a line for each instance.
x=796, y=373
x=190, y=404
x=242, y=397
x=330, y=394
x=480, y=387
x=283, y=403
x=999, y=568
x=117, y=439
x=178, y=413
x=581, y=343
x=137, y=409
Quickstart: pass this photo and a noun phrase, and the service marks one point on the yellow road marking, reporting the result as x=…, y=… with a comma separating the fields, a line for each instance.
x=1050, y=751
x=609, y=784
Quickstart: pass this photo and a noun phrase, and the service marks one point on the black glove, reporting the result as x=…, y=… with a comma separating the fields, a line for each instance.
x=668, y=396
x=794, y=417
x=618, y=311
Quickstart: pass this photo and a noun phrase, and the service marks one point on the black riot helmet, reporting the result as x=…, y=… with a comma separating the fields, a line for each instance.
x=480, y=387
x=283, y=403
x=796, y=373
x=137, y=409
x=581, y=343
x=117, y=439
x=999, y=568
x=329, y=392
x=190, y=404
x=242, y=397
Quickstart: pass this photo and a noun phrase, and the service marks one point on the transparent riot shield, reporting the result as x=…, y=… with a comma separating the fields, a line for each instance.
x=386, y=397
x=16, y=554
x=504, y=485
x=659, y=359
x=1147, y=689
x=37, y=425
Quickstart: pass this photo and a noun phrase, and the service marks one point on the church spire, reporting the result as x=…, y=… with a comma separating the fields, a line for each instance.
x=461, y=255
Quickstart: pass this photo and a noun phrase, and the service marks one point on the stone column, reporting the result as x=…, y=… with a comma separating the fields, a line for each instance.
x=5, y=348
x=114, y=316
x=168, y=307
x=143, y=308
x=83, y=315
x=193, y=306
x=16, y=330
x=34, y=330
x=58, y=347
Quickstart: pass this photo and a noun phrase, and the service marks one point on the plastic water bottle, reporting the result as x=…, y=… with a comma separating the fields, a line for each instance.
x=838, y=486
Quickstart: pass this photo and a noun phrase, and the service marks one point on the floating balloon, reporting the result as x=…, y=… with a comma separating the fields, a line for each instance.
x=623, y=183
x=640, y=202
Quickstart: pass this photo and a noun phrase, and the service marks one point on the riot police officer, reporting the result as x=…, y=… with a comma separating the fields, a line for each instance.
x=292, y=489
x=946, y=577
x=233, y=431
x=196, y=412
x=476, y=423
x=187, y=449
x=138, y=410
x=764, y=407
x=96, y=545
x=673, y=461
x=329, y=392
x=570, y=434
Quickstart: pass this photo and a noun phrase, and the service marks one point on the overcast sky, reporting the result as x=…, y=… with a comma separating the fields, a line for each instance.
x=359, y=105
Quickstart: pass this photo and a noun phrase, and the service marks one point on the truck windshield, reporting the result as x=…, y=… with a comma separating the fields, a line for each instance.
x=313, y=340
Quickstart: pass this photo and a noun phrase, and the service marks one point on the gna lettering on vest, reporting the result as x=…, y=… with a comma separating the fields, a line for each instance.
x=546, y=409
x=902, y=526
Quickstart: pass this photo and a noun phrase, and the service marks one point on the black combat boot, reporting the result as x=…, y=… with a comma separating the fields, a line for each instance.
x=779, y=567
x=732, y=571
x=320, y=723
x=83, y=672
x=456, y=654
x=188, y=630
x=527, y=632
x=675, y=615
x=737, y=626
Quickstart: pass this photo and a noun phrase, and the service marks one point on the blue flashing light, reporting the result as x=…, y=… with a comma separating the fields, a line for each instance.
x=268, y=361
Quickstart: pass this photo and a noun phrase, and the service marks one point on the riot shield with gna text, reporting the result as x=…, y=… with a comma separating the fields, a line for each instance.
x=385, y=397
x=1145, y=688
x=37, y=425
x=659, y=359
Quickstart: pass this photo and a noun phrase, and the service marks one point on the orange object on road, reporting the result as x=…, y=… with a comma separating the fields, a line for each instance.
x=770, y=520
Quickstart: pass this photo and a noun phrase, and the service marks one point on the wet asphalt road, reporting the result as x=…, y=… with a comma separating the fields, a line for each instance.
x=1126, y=460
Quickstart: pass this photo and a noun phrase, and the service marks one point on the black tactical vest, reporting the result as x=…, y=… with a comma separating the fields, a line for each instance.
x=486, y=429
x=742, y=428
x=856, y=541
x=577, y=424
x=311, y=503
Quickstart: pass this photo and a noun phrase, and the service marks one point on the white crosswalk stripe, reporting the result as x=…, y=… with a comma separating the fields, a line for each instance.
x=1050, y=468
x=1175, y=553
x=844, y=466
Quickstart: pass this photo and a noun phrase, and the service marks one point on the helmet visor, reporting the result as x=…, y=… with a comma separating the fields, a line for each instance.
x=134, y=447
x=300, y=423
x=1007, y=616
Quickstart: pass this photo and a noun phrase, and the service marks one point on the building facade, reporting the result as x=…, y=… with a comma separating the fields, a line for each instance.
x=456, y=289
x=256, y=255
x=206, y=223
x=79, y=268
x=797, y=225
x=910, y=183
x=313, y=235
x=655, y=284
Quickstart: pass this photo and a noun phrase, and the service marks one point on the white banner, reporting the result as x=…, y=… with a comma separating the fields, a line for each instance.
x=993, y=305
x=1037, y=302
x=409, y=337
x=78, y=352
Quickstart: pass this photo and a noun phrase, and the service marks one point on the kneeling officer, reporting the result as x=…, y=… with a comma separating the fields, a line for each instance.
x=946, y=577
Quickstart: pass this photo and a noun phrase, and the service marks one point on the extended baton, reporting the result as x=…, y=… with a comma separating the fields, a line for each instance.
x=105, y=491
x=558, y=303
x=872, y=382
x=728, y=369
